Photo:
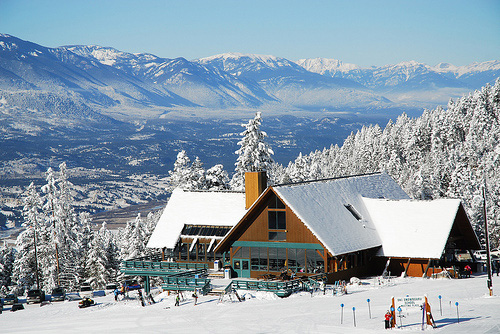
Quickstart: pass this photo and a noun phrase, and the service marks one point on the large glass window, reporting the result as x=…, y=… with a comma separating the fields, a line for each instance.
x=273, y=259
x=259, y=258
x=315, y=263
x=277, y=220
x=277, y=236
x=201, y=252
x=275, y=203
x=183, y=250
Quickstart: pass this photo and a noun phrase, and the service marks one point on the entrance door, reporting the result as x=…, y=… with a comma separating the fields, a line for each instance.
x=242, y=267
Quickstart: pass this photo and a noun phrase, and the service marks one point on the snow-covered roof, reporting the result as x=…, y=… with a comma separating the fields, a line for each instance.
x=216, y=208
x=410, y=228
x=321, y=206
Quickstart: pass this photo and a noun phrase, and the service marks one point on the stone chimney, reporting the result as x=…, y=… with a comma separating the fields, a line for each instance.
x=255, y=184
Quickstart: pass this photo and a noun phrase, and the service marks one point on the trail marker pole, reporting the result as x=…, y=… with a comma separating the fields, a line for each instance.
x=369, y=310
x=393, y=316
x=423, y=315
x=458, y=316
x=341, y=314
x=440, y=308
x=400, y=317
x=354, y=315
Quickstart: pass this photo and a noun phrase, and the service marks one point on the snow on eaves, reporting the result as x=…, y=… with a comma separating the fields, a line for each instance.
x=411, y=228
x=217, y=208
x=321, y=206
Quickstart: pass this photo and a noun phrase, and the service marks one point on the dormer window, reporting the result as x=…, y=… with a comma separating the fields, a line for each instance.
x=353, y=211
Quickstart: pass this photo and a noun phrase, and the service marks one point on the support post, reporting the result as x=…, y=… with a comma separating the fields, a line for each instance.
x=407, y=266
x=489, y=283
x=147, y=286
x=427, y=268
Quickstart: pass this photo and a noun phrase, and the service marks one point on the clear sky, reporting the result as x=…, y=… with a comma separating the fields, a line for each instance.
x=371, y=32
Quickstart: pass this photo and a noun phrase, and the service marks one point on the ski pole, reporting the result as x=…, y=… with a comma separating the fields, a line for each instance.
x=458, y=317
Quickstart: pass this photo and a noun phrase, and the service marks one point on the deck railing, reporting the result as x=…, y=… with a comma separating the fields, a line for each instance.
x=160, y=268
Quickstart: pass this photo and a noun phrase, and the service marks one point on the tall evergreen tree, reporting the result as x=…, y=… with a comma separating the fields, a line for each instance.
x=254, y=154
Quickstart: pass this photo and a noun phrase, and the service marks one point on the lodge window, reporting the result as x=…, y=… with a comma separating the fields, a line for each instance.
x=184, y=251
x=275, y=203
x=277, y=225
x=242, y=253
x=259, y=258
x=315, y=263
x=278, y=259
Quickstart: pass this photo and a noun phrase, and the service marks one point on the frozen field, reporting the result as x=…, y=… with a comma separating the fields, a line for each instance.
x=265, y=313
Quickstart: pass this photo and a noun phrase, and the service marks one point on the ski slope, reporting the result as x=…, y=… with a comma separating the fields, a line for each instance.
x=266, y=313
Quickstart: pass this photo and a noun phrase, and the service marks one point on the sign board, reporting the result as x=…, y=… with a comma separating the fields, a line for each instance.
x=415, y=301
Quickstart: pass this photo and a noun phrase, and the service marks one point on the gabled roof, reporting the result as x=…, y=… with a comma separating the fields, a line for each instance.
x=413, y=229
x=325, y=207
x=218, y=208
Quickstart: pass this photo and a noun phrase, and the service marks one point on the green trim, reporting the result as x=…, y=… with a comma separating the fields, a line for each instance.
x=276, y=244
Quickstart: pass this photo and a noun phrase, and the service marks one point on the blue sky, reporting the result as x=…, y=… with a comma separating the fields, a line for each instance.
x=361, y=32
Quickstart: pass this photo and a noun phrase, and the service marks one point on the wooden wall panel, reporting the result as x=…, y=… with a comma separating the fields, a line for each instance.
x=296, y=230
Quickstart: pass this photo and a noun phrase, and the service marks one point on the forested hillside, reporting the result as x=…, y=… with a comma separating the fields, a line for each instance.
x=451, y=152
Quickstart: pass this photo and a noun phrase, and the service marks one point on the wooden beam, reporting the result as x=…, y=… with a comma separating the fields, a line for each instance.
x=427, y=268
x=407, y=266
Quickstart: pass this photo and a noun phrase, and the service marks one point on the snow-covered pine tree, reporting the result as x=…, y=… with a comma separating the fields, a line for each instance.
x=216, y=178
x=181, y=174
x=112, y=253
x=84, y=240
x=48, y=238
x=7, y=257
x=441, y=153
x=196, y=178
x=254, y=154
x=26, y=261
x=96, y=265
x=134, y=239
x=66, y=227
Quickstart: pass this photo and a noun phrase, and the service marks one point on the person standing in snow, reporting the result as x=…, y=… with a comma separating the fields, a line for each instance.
x=496, y=266
x=195, y=296
x=388, y=317
x=116, y=292
x=177, y=300
x=468, y=270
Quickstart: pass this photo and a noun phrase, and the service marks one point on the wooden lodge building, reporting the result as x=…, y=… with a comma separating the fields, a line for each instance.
x=344, y=227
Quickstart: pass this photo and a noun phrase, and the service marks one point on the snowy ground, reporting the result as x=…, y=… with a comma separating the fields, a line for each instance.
x=265, y=313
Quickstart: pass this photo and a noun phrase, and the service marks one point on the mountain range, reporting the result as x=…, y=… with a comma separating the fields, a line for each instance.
x=105, y=85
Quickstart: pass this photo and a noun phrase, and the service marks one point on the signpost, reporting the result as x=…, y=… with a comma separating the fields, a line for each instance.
x=354, y=315
x=440, y=308
x=400, y=317
x=419, y=302
x=369, y=310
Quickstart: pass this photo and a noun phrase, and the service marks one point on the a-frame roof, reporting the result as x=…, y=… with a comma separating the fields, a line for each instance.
x=417, y=229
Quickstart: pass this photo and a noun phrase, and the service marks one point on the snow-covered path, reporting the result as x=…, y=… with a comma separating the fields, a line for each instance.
x=265, y=313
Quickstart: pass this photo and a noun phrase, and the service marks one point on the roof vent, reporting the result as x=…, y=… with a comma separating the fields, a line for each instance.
x=353, y=211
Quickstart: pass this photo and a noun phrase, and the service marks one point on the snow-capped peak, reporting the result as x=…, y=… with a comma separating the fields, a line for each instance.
x=324, y=65
x=238, y=55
